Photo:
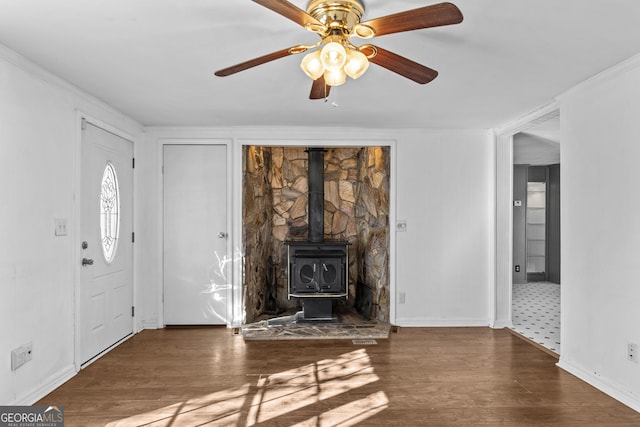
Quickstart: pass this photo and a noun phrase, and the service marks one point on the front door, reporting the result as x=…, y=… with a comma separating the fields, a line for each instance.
x=106, y=287
x=196, y=283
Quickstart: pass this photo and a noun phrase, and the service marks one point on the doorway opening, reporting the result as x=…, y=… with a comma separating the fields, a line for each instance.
x=536, y=234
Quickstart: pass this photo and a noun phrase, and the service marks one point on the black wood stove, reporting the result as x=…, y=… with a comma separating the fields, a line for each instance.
x=318, y=269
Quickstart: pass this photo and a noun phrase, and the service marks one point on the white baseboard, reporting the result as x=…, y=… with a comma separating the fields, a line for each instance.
x=501, y=325
x=148, y=324
x=47, y=386
x=442, y=323
x=601, y=384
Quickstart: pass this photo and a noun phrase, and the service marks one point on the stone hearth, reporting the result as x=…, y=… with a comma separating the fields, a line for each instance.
x=346, y=326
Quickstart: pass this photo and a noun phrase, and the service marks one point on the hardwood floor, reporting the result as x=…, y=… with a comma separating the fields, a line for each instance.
x=418, y=377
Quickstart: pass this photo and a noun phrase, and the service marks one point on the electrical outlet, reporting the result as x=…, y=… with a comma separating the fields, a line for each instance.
x=632, y=352
x=402, y=296
x=21, y=355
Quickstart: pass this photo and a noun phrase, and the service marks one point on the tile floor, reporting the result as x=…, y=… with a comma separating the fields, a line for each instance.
x=536, y=313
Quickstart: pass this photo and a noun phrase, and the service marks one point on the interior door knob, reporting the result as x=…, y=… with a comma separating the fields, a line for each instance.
x=87, y=261
x=222, y=234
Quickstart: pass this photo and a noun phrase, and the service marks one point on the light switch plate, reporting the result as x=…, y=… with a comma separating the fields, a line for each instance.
x=61, y=226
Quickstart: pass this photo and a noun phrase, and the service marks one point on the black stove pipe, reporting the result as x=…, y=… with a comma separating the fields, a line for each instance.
x=316, y=194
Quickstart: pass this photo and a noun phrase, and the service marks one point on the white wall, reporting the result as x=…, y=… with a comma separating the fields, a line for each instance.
x=600, y=151
x=38, y=163
x=443, y=185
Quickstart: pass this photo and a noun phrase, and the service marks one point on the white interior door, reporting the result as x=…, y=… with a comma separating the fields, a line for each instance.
x=194, y=234
x=106, y=287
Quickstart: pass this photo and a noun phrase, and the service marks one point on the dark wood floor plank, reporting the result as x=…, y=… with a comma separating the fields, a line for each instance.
x=420, y=376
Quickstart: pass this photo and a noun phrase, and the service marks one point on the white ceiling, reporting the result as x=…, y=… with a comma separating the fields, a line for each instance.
x=154, y=60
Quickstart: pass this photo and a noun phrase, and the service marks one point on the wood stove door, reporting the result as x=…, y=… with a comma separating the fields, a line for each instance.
x=305, y=276
x=330, y=276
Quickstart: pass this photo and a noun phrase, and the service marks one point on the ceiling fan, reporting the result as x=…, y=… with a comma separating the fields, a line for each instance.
x=336, y=22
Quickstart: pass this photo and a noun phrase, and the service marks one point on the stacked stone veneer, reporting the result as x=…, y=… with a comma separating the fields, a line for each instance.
x=275, y=209
x=372, y=224
x=257, y=213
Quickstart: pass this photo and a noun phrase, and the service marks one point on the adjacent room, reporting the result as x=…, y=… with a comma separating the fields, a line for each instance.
x=536, y=233
x=294, y=212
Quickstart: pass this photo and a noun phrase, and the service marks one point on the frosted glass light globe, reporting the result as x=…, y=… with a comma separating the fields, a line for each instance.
x=333, y=56
x=312, y=65
x=335, y=77
x=357, y=63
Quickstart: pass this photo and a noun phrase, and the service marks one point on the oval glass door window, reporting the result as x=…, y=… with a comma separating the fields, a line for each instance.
x=329, y=273
x=109, y=212
x=306, y=274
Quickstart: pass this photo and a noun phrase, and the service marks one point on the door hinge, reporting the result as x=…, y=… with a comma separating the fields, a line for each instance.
x=133, y=237
x=133, y=311
x=133, y=163
x=83, y=124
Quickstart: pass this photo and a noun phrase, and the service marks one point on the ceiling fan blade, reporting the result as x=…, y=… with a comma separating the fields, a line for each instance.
x=399, y=64
x=253, y=62
x=319, y=90
x=425, y=17
x=290, y=11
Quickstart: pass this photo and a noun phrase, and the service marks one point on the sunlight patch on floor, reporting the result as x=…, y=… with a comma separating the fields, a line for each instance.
x=292, y=393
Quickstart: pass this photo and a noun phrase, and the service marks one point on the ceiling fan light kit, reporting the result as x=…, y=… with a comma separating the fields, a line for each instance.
x=335, y=63
x=336, y=22
x=339, y=58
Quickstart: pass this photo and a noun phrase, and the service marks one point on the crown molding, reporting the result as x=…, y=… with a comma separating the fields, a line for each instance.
x=529, y=120
x=623, y=67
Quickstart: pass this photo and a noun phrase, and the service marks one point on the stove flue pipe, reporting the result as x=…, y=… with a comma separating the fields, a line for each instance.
x=316, y=194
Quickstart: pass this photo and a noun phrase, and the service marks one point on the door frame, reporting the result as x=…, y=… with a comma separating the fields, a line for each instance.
x=502, y=313
x=227, y=143
x=77, y=232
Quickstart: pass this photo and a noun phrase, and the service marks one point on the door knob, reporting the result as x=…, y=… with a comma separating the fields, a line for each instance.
x=87, y=261
x=222, y=234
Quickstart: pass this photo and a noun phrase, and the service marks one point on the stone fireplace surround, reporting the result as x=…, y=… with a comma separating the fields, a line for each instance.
x=275, y=210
